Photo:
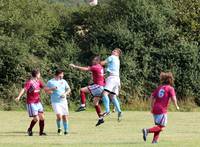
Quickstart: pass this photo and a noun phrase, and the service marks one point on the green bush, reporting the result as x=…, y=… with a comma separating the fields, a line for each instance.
x=155, y=36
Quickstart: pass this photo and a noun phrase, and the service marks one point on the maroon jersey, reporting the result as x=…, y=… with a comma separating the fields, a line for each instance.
x=32, y=88
x=162, y=97
x=97, y=74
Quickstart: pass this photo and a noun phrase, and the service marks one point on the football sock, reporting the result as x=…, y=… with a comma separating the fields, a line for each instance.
x=33, y=122
x=155, y=129
x=156, y=136
x=83, y=98
x=98, y=110
x=66, y=126
x=41, y=124
x=58, y=122
x=106, y=102
x=116, y=103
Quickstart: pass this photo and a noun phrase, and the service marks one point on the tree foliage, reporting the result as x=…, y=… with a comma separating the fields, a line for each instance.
x=155, y=36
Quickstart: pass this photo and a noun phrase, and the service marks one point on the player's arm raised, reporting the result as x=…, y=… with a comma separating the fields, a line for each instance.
x=20, y=94
x=80, y=67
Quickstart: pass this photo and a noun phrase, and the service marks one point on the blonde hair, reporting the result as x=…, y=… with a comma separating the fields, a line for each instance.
x=118, y=50
x=166, y=78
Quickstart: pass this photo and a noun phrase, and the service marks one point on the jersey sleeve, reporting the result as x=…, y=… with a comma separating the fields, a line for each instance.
x=154, y=93
x=90, y=68
x=93, y=68
x=172, y=92
x=109, y=59
x=41, y=84
x=27, y=85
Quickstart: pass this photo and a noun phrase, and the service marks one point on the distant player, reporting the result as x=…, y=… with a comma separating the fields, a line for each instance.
x=160, y=99
x=59, y=89
x=34, y=107
x=112, y=86
x=96, y=88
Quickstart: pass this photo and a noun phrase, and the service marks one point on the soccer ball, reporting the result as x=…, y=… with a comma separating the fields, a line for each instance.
x=93, y=2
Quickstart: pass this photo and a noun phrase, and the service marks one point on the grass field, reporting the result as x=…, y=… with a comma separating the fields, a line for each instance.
x=183, y=130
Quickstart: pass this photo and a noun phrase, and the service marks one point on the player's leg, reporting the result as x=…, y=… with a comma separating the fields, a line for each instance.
x=65, y=124
x=58, y=123
x=57, y=110
x=32, y=124
x=110, y=84
x=41, y=124
x=156, y=134
x=96, y=91
x=41, y=119
x=98, y=110
x=161, y=122
x=97, y=106
x=116, y=103
x=65, y=117
x=106, y=101
x=156, y=130
x=113, y=95
x=83, y=93
x=34, y=114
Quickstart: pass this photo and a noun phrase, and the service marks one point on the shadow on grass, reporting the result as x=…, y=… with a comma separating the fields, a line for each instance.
x=22, y=133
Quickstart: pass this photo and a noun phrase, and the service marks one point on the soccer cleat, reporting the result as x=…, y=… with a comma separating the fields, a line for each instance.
x=65, y=133
x=145, y=133
x=30, y=133
x=119, y=116
x=81, y=108
x=154, y=142
x=43, y=134
x=100, y=121
x=59, y=132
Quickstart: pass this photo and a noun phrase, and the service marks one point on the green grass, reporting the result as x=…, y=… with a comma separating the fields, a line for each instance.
x=182, y=131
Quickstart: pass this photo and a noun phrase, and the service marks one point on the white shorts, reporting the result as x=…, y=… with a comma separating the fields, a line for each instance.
x=96, y=90
x=160, y=119
x=113, y=84
x=61, y=108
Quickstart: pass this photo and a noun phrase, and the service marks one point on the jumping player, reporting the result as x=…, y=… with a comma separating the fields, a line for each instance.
x=34, y=107
x=160, y=99
x=59, y=89
x=96, y=88
x=111, y=89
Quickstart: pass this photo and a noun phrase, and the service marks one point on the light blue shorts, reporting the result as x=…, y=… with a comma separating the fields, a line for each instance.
x=96, y=90
x=34, y=108
x=160, y=119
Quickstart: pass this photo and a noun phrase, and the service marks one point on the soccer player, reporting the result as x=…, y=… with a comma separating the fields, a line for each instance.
x=160, y=99
x=96, y=88
x=111, y=89
x=34, y=107
x=59, y=89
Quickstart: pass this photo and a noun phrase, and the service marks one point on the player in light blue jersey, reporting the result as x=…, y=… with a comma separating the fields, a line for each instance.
x=59, y=89
x=111, y=89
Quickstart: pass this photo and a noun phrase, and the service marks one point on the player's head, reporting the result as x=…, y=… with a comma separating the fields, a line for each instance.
x=166, y=78
x=96, y=60
x=59, y=73
x=117, y=52
x=35, y=73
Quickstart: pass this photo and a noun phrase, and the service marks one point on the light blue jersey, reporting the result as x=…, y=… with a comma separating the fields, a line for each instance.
x=62, y=87
x=113, y=65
